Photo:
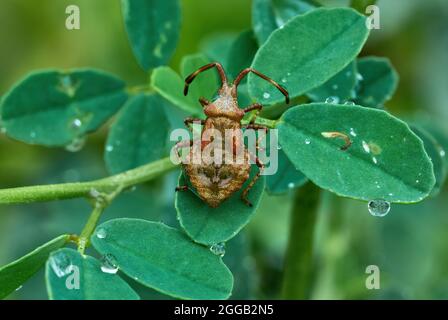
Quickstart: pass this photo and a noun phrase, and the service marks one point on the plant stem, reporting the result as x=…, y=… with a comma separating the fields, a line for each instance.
x=299, y=252
x=83, y=240
x=83, y=189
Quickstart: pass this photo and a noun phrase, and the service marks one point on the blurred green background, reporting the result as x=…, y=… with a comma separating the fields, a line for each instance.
x=409, y=245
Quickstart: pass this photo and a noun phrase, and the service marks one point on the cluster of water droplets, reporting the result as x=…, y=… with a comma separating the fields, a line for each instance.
x=218, y=249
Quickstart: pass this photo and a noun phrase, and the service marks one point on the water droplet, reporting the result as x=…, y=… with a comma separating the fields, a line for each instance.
x=284, y=80
x=365, y=146
x=19, y=287
x=60, y=264
x=335, y=87
x=33, y=134
x=291, y=185
x=279, y=147
x=76, y=123
x=282, y=26
x=109, y=148
x=288, y=74
x=375, y=161
x=352, y=132
x=359, y=77
x=109, y=264
x=442, y=153
x=307, y=141
x=101, y=233
x=349, y=103
x=76, y=145
x=94, y=193
x=218, y=249
x=266, y=95
x=332, y=100
x=378, y=208
x=417, y=181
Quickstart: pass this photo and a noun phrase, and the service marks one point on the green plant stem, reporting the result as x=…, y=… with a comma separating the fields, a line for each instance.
x=83, y=240
x=83, y=189
x=298, y=258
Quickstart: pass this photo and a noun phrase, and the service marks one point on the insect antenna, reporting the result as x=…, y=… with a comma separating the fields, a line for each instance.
x=248, y=70
x=191, y=77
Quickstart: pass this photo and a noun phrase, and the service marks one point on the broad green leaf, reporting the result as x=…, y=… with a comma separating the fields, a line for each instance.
x=13, y=275
x=307, y=51
x=217, y=47
x=436, y=155
x=139, y=135
x=171, y=86
x=385, y=161
x=286, y=178
x=269, y=15
x=242, y=52
x=164, y=259
x=208, y=225
x=339, y=88
x=206, y=84
x=71, y=276
x=54, y=108
x=153, y=29
x=378, y=81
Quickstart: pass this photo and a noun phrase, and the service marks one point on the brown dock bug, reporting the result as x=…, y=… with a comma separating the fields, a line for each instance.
x=213, y=181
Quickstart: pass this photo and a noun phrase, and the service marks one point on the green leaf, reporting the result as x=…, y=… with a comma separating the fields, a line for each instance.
x=13, y=275
x=205, y=85
x=242, y=53
x=378, y=84
x=208, y=225
x=217, y=47
x=385, y=161
x=153, y=29
x=71, y=276
x=54, y=108
x=435, y=153
x=286, y=178
x=139, y=135
x=269, y=15
x=171, y=86
x=307, y=51
x=164, y=259
x=340, y=87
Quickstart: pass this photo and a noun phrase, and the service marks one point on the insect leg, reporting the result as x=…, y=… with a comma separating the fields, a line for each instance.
x=247, y=70
x=253, y=107
x=180, y=145
x=260, y=166
x=204, y=102
x=188, y=121
x=191, y=77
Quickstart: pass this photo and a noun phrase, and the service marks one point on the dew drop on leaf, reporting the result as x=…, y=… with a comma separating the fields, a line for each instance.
x=378, y=208
x=109, y=264
x=307, y=141
x=109, y=148
x=76, y=123
x=60, y=264
x=218, y=249
x=291, y=185
x=19, y=287
x=332, y=100
x=101, y=233
x=266, y=95
x=76, y=145
x=359, y=77
x=349, y=103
